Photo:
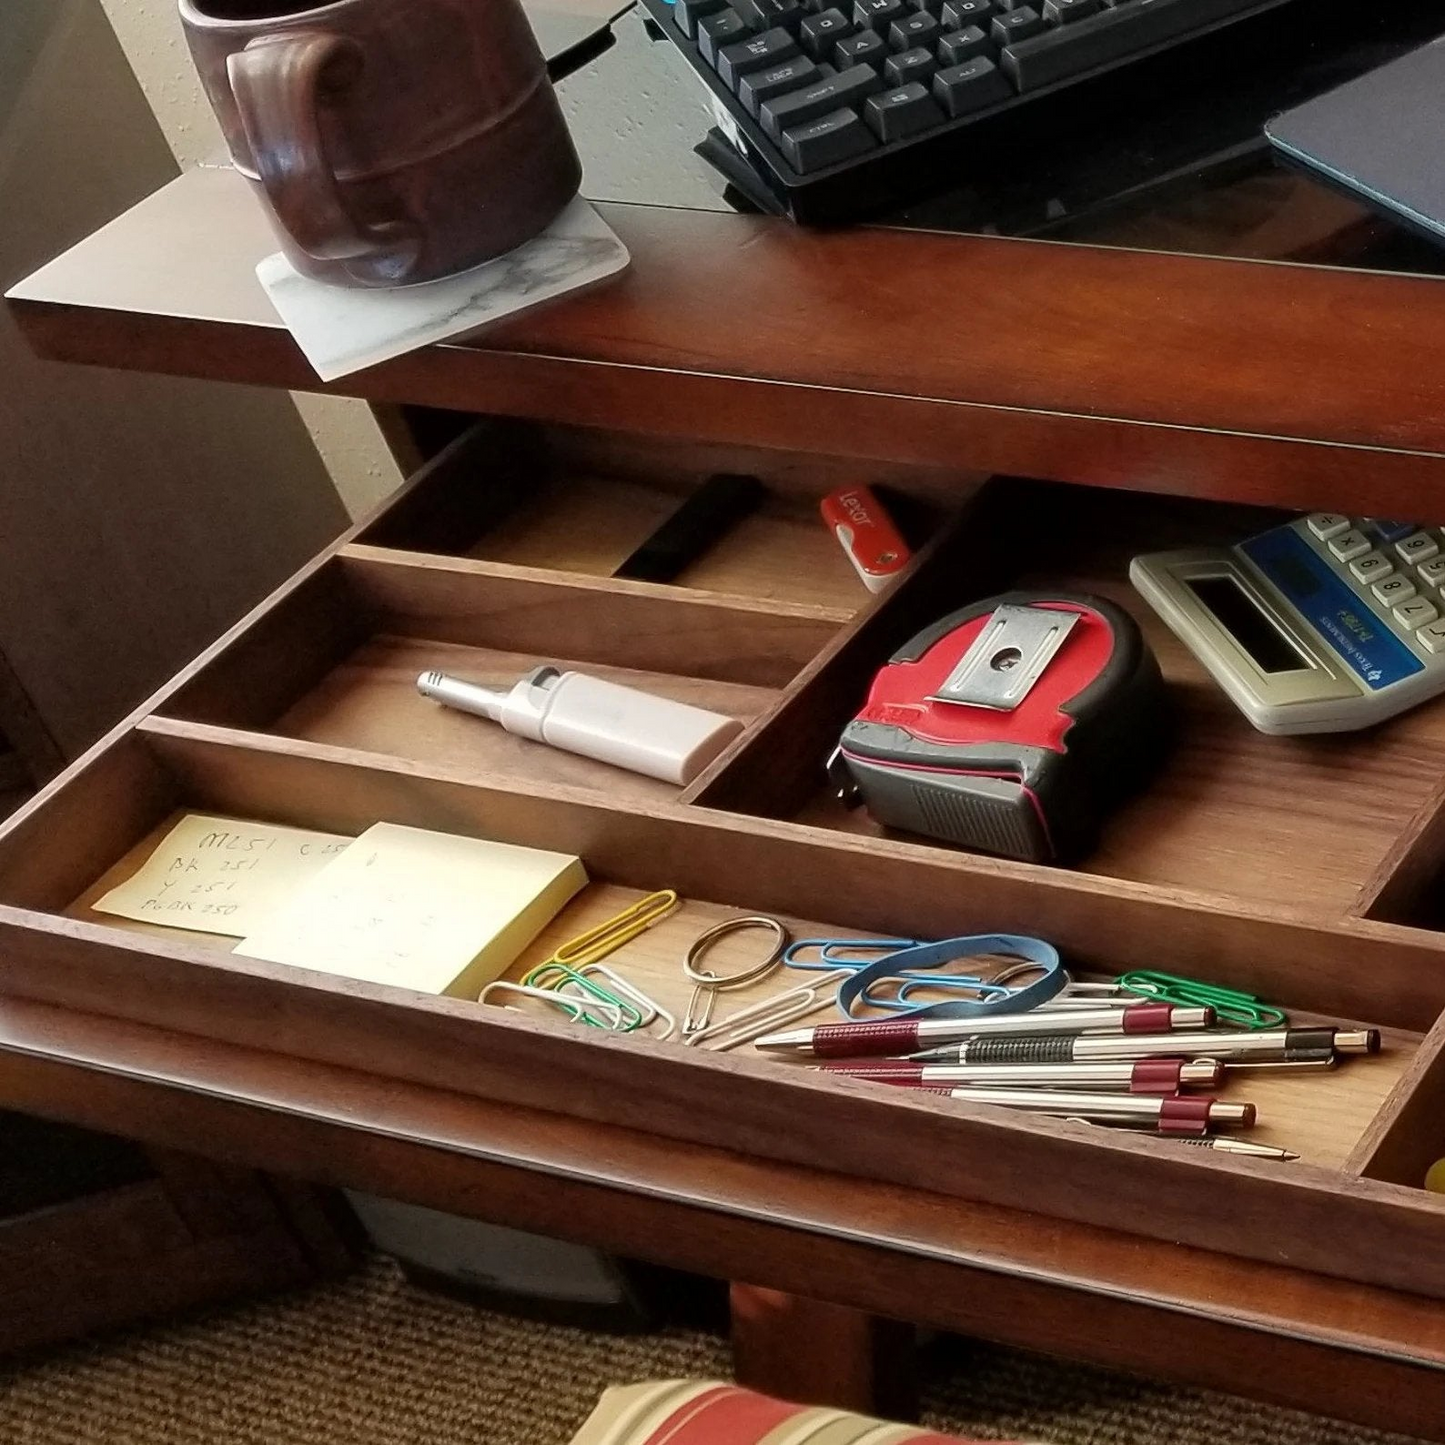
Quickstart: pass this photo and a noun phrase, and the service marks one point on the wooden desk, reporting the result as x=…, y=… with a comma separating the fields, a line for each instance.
x=740, y=342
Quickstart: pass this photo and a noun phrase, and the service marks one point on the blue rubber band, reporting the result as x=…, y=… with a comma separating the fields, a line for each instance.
x=912, y=966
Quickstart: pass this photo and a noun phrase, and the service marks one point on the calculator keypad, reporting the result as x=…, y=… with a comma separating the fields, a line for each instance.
x=1394, y=589
x=1372, y=566
x=1398, y=565
x=1411, y=614
x=1419, y=547
x=1349, y=545
x=1327, y=525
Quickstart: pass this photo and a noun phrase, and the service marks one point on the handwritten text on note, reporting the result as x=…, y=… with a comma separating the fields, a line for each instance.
x=220, y=875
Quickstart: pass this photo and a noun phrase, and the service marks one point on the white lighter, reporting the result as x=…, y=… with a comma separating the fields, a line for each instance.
x=656, y=736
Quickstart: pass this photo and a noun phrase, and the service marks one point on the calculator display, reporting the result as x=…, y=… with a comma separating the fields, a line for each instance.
x=1237, y=613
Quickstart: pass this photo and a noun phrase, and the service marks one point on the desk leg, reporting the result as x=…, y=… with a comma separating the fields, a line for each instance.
x=823, y=1354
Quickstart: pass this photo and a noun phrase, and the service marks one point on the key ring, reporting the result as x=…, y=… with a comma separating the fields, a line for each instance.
x=707, y=985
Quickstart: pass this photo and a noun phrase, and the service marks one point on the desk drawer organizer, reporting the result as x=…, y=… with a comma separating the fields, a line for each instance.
x=1301, y=869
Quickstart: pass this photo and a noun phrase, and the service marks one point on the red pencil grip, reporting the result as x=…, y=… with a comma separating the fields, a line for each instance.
x=885, y=1071
x=856, y=1041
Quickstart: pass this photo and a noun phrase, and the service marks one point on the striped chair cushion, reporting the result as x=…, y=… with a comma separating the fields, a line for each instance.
x=703, y=1412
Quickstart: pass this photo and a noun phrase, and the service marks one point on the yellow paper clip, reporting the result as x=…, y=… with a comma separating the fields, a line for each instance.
x=608, y=937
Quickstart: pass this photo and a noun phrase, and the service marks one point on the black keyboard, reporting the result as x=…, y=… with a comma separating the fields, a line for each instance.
x=830, y=102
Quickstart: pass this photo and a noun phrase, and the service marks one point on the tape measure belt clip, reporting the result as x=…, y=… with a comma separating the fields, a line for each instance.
x=941, y=749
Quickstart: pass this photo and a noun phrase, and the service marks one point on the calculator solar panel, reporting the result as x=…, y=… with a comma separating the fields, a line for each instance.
x=832, y=101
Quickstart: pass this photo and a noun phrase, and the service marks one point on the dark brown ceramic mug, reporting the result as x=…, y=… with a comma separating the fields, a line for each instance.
x=393, y=141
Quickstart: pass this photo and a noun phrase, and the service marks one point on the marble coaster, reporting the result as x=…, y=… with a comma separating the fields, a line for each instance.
x=342, y=330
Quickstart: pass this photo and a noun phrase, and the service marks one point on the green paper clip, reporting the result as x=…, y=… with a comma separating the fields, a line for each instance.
x=1229, y=1004
x=554, y=977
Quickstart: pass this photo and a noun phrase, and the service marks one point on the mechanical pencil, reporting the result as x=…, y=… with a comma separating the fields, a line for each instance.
x=875, y=1037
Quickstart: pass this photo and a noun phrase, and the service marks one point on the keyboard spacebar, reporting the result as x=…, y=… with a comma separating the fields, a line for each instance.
x=1114, y=35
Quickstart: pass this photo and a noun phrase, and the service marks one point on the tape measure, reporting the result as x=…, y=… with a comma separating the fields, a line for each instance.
x=1011, y=727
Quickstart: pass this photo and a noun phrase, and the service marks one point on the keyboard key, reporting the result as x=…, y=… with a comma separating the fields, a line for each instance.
x=897, y=114
x=1349, y=545
x=1393, y=589
x=1415, y=613
x=1066, y=12
x=763, y=85
x=1418, y=547
x=1113, y=34
x=686, y=13
x=865, y=48
x=762, y=15
x=1432, y=634
x=1326, y=525
x=770, y=48
x=917, y=64
x=1372, y=566
x=819, y=33
x=964, y=45
x=1432, y=573
x=836, y=137
x=1015, y=25
x=847, y=88
x=914, y=30
x=878, y=14
x=960, y=14
x=970, y=86
x=717, y=31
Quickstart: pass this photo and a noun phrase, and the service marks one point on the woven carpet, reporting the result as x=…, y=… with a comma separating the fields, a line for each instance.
x=371, y=1360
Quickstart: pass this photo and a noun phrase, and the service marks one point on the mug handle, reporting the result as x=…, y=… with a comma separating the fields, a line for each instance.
x=277, y=81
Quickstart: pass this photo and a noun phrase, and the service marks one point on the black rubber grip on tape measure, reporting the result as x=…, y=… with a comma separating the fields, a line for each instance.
x=1021, y=1049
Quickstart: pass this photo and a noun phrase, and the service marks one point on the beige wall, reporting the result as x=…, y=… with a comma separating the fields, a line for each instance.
x=139, y=515
x=150, y=34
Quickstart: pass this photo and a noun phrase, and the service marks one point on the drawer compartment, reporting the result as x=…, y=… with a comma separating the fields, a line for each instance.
x=571, y=500
x=369, y=622
x=1313, y=1214
x=1313, y=823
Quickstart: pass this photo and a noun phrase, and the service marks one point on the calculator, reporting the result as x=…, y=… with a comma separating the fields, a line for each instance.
x=1326, y=624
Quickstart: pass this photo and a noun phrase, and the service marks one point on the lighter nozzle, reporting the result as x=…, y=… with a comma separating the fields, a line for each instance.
x=464, y=696
x=1241, y=1116
x=1202, y=1073
x=1357, y=1041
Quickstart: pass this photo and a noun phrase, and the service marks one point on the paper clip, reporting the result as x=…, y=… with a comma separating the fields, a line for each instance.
x=1229, y=1004
x=828, y=950
x=768, y=1014
x=574, y=1010
x=610, y=935
x=707, y=985
x=555, y=977
x=652, y=1010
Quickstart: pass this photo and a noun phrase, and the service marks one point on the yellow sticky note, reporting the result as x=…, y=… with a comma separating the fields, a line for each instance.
x=419, y=910
x=220, y=875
